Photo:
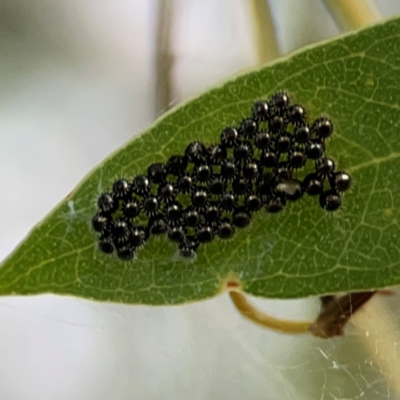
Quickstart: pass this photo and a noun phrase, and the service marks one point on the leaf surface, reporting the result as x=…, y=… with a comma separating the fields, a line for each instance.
x=355, y=80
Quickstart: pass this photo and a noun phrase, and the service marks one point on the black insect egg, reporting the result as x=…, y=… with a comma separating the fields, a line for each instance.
x=217, y=185
x=249, y=128
x=253, y=203
x=212, y=213
x=174, y=213
x=314, y=151
x=227, y=201
x=216, y=154
x=185, y=183
x=275, y=205
x=228, y=169
x=313, y=185
x=262, y=140
x=241, y=217
x=302, y=134
x=176, y=234
x=99, y=223
x=120, y=230
x=156, y=173
x=243, y=151
x=283, y=144
x=297, y=114
x=187, y=249
x=297, y=158
x=196, y=152
x=106, y=203
x=284, y=171
x=276, y=124
x=167, y=192
x=225, y=229
x=192, y=218
x=150, y=205
x=199, y=198
x=121, y=188
x=261, y=110
x=341, y=181
x=141, y=185
x=176, y=165
x=126, y=253
x=208, y=190
x=330, y=200
x=325, y=166
x=106, y=245
x=205, y=234
x=229, y=136
x=268, y=159
x=204, y=173
x=322, y=128
x=280, y=101
x=251, y=170
x=138, y=236
x=131, y=209
x=240, y=186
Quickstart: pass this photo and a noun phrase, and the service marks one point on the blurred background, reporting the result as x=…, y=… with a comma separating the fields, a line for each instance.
x=77, y=80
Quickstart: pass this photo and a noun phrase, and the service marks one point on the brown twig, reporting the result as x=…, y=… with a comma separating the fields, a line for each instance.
x=336, y=313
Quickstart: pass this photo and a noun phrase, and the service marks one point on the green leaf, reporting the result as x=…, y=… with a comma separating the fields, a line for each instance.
x=355, y=80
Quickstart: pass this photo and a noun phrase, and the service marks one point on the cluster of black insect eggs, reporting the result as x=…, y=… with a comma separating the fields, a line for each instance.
x=209, y=191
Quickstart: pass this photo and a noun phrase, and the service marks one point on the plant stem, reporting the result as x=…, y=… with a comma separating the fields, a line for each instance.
x=264, y=37
x=250, y=312
x=163, y=56
x=336, y=312
x=352, y=14
x=380, y=337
